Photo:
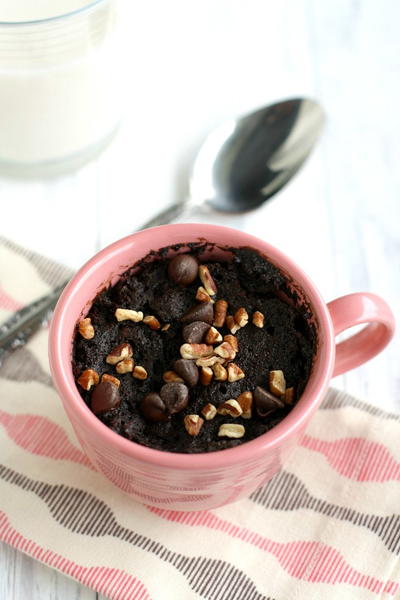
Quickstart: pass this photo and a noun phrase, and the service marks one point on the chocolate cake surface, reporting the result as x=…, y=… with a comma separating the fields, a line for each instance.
x=153, y=361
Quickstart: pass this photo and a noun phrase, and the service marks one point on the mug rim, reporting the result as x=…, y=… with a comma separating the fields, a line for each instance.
x=295, y=421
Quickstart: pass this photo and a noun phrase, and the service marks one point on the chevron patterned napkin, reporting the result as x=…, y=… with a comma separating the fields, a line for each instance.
x=326, y=527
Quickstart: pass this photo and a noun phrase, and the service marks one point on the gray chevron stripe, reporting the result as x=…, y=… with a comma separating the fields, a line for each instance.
x=50, y=271
x=287, y=492
x=22, y=366
x=337, y=399
x=82, y=513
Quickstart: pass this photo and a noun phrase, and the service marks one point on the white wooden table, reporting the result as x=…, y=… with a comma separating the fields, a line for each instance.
x=188, y=66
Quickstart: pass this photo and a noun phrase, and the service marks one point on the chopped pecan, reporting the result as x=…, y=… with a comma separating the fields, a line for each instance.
x=86, y=328
x=231, y=430
x=230, y=407
x=220, y=310
x=234, y=372
x=139, y=372
x=213, y=336
x=195, y=350
x=125, y=314
x=152, y=322
x=111, y=379
x=277, y=383
x=125, y=366
x=246, y=403
x=88, y=378
x=207, y=280
x=169, y=376
x=209, y=411
x=193, y=424
x=119, y=353
x=206, y=375
x=258, y=319
x=241, y=317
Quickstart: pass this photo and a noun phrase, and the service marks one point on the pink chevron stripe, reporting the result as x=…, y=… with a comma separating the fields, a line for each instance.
x=7, y=302
x=309, y=561
x=39, y=435
x=357, y=458
x=114, y=583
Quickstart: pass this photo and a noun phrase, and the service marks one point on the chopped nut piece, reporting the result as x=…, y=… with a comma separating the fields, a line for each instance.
x=213, y=336
x=202, y=295
x=232, y=340
x=225, y=350
x=241, y=317
x=206, y=375
x=125, y=314
x=119, y=353
x=277, y=383
x=139, y=372
x=231, y=324
x=166, y=327
x=220, y=309
x=86, y=328
x=111, y=379
x=207, y=280
x=195, y=350
x=88, y=378
x=231, y=430
x=234, y=372
x=258, y=319
x=209, y=411
x=209, y=361
x=289, y=395
x=169, y=376
x=230, y=407
x=193, y=424
x=220, y=373
x=152, y=322
x=246, y=403
x=125, y=366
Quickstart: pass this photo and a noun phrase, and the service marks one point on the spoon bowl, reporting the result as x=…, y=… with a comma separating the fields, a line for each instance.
x=245, y=161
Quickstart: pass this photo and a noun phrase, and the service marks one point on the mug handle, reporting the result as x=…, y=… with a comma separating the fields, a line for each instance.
x=355, y=309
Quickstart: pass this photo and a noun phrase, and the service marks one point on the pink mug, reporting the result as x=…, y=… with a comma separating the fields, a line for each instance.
x=203, y=481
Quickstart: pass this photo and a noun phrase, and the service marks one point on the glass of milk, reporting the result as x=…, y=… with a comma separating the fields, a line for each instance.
x=59, y=84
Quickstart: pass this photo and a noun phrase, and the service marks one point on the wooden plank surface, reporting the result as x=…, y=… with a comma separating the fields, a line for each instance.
x=339, y=218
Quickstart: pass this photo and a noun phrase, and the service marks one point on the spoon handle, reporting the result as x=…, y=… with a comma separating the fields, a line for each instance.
x=166, y=216
x=18, y=329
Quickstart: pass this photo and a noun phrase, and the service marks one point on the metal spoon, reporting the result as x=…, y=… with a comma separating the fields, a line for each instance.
x=241, y=164
x=244, y=162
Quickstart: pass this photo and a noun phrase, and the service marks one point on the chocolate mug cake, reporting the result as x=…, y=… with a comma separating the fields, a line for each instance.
x=192, y=354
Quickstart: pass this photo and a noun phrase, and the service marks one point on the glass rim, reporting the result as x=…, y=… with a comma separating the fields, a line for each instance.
x=86, y=8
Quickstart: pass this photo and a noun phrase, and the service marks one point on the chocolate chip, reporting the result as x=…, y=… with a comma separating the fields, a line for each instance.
x=105, y=397
x=183, y=269
x=199, y=312
x=193, y=333
x=187, y=370
x=153, y=408
x=265, y=402
x=175, y=396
